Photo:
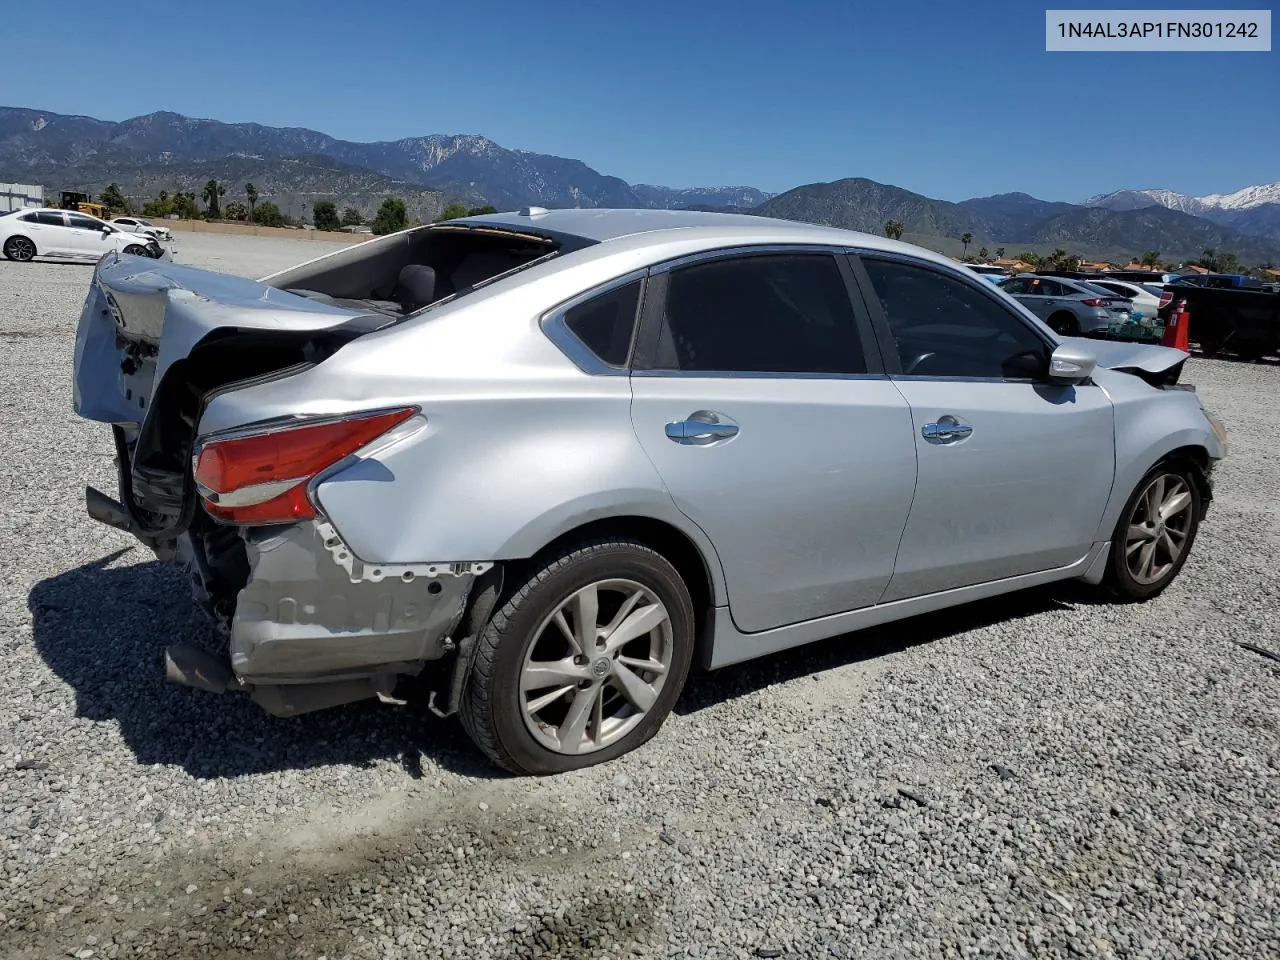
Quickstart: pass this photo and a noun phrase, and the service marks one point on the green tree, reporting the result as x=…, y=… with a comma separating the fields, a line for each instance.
x=325, y=215
x=966, y=238
x=113, y=199
x=1150, y=259
x=235, y=210
x=893, y=229
x=999, y=253
x=251, y=194
x=211, y=194
x=185, y=205
x=481, y=211
x=160, y=207
x=391, y=217
x=982, y=254
x=267, y=214
x=351, y=217
x=452, y=212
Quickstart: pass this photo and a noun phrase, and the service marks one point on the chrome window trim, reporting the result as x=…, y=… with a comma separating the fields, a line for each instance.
x=583, y=357
x=746, y=249
x=755, y=375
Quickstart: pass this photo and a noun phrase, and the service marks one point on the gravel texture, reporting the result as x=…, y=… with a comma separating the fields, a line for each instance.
x=1039, y=776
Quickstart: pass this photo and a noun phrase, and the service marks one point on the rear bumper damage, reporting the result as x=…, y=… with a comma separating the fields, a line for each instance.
x=307, y=629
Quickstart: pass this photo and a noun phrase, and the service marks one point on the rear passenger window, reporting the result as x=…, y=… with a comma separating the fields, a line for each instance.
x=50, y=219
x=787, y=313
x=605, y=323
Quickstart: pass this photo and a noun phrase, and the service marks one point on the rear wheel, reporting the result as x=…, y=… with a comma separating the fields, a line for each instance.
x=20, y=249
x=1065, y=324
x=584, y=660
x=1155, y=532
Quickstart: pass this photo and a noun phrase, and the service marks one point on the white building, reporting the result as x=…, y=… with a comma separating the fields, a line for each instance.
x=15, y=196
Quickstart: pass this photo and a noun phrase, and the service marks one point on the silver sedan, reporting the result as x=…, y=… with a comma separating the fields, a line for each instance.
x=553, y=460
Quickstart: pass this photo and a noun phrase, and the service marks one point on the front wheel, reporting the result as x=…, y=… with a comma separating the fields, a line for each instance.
x=1155, y=532
x=20, y=249
x=584, y=660
x=137, y=250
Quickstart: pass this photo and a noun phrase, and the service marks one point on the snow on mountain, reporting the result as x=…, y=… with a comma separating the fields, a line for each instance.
x=1135, y=199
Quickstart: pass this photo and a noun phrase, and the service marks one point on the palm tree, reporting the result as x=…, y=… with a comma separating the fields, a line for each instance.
x=1150, y=259
x=251, y=194
x=212, y=191
x=982, y=254
x=999, y=253
x=966, y=239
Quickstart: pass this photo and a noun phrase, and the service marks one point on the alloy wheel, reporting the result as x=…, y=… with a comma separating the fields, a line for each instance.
x=596, y=666
x=21, y=249
x=1158, y=528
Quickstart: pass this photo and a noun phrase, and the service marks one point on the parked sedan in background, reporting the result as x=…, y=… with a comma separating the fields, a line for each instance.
x=1145, y=301
x=1069, y=307
x=138, y=225
x=46, y=232
x=562, y=456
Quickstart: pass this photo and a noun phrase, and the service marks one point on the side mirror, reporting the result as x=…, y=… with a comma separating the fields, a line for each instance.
x=1070, y=364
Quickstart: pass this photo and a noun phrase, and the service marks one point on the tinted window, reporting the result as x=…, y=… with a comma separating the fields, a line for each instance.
x=50, y=218
x=944, y=327
x=606, y=322
x=81, y=222
x=1017, y=286
x=787, y=313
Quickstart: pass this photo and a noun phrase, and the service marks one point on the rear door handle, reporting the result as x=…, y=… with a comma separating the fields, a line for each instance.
x=947, y=429
x=701, y=428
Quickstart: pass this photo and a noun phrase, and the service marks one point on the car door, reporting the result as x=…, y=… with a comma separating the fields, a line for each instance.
x=49, y=230
x=90, y=236
x=775, y=429
x=1014, y=472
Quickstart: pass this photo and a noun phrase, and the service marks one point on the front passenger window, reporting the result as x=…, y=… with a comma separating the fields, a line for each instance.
x=943, y=327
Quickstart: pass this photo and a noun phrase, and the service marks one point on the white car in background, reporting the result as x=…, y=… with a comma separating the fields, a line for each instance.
x=139, y=225
x=1145, y=303
x=66, y=234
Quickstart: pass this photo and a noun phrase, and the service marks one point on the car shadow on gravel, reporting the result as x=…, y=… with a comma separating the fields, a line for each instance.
x=707, y=689
x=103, y=630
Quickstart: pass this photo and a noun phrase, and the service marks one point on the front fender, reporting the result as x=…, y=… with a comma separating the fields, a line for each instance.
x=1150, y=424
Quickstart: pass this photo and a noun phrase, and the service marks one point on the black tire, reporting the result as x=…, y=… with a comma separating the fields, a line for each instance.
x=137, y=250
x=20, y=249
x=1064, y=324
x=490, y=707
x=1120, y=579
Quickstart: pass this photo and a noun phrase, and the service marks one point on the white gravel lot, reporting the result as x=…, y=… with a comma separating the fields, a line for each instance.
x=1041, y=776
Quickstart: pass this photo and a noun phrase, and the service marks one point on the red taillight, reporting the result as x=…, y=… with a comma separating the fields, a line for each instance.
x=1166, y=298
x=1096, y=302
x=263, y=478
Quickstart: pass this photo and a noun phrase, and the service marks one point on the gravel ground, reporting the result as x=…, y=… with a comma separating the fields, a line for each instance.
x=1041, y=776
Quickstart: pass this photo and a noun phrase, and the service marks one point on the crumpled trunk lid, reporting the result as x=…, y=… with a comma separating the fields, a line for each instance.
x=155, y=340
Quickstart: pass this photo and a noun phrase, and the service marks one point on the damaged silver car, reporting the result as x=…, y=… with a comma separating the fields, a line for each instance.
x=559, y=457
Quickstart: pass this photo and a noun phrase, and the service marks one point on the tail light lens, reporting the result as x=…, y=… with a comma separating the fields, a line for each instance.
x=263, y=478
x=1166, y=298
x=1096, y=302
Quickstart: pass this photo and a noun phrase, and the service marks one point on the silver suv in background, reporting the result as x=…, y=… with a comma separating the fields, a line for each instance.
x=1070, y=307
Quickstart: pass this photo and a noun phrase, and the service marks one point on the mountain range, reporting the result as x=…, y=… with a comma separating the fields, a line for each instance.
x=293, y=166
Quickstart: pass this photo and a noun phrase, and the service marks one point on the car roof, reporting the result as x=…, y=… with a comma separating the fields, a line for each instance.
x=604, y=225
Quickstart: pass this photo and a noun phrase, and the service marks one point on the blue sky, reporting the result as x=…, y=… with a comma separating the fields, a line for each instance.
x=949, y=99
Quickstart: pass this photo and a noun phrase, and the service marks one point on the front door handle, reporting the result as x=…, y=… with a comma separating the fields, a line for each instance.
x=948, y=429
x=701, y=428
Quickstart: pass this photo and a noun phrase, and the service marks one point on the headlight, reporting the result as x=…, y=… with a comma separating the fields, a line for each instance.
x=1219, y=428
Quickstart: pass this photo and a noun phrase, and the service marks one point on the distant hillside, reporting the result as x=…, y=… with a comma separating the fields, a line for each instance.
x=1015, y=221
x=1253, y=210
x=861, y=204
x=292, y=183
x=698, y=198
x=1176, y=235
x=57, y=147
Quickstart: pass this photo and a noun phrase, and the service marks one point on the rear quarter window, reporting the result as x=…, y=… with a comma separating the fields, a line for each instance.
x=605, y=324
